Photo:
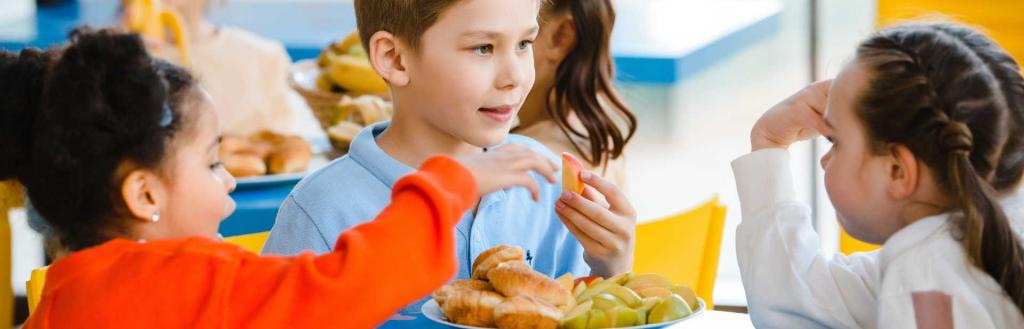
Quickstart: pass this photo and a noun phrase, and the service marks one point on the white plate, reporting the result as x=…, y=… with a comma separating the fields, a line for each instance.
x=433, y=312
x=304, y=73
x=246, y=183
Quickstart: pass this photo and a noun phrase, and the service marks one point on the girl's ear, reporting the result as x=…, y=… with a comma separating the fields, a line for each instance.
x=387, y=57
x=561, y=39
x=142, y=192
x=903, y=171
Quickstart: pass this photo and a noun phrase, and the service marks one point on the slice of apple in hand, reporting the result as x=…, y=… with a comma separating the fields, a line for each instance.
x=571, y=169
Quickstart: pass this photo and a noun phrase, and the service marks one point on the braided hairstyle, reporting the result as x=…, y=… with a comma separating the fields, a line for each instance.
x=72, y=119
x=956, y=100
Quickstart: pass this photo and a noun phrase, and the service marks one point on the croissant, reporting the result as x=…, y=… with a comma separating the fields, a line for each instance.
x=441, y=295
x=471, y=307
x=494, y=256
x=517, y=279
x=527, y=312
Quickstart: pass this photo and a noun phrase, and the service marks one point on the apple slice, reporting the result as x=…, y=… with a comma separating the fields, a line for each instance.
x=687, y=294
x=566, y=281
x=578, y=317
x=670, y=309
x=571, y=169
x=587, y=279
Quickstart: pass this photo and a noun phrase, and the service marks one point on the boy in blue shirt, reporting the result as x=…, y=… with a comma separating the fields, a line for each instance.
x=459, y=71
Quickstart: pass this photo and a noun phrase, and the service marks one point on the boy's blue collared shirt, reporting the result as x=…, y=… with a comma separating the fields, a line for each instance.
x=355, y=188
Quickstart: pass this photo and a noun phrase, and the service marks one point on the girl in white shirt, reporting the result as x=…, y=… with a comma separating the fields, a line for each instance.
x=927, y=125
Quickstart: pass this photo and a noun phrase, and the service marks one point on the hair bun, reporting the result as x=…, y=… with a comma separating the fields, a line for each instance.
x=21, y=85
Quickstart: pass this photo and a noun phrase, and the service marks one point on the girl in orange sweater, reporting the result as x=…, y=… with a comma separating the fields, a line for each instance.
x=118, y=152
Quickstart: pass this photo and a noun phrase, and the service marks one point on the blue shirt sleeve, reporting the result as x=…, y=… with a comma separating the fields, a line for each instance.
x=294, y=232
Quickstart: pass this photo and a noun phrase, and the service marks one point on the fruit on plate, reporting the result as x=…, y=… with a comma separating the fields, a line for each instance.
x=345, y=64
x=565, y=281
x=571, y=169
x=653, y=292
x=586, y=279
x=671, y=308
x=614, y=302
x=598, y=319
x=648, y=279
x=533, y=300
x=622, y=316
x=687, y=294
x=577, y=318
x=625, y=295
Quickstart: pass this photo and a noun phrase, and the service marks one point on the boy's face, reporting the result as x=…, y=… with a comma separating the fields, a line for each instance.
x=473, y=69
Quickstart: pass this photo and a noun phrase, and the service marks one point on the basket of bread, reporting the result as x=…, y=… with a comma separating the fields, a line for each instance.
x=504, y=292
x=342, y=89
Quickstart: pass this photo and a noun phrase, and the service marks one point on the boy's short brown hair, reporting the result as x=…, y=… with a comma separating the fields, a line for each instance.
x=405, y=19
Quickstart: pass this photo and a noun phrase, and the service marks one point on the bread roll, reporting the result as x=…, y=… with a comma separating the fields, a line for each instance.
x=441, y=295
x=494, y=256
x=472, y=307
x=292, y=155
x=515, y=279
x=244, y=165
x=522, y=312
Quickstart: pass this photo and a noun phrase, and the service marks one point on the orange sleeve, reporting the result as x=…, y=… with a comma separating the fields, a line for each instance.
x=375, y=269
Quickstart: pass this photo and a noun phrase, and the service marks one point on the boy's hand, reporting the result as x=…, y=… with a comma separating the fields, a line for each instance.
x=509, y=166
x=606, y=229
x=799, y=117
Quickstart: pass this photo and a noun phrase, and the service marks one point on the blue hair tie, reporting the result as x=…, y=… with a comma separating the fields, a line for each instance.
x=168, y=117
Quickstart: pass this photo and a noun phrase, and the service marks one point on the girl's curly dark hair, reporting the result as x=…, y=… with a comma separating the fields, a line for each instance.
x=72, y=117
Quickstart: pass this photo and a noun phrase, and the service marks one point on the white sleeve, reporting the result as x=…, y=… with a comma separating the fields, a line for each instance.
x=788, y=282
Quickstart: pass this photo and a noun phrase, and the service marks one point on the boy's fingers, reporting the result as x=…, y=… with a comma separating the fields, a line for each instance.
x=588, y=228
x=535, y=162
x=546, y=167
x=586, y=241
x=600, y=222
x=593, y=195
x=530, y=184
x=617, y=202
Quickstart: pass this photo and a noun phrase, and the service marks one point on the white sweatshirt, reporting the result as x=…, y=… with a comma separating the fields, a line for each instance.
x=789, y=284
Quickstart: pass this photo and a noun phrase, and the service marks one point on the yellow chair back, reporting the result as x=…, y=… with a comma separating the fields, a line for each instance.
x=34, y=287
x=1000, y=19
x=11, y=196
x=849, y=244
x=683, y=247
x=252, y=242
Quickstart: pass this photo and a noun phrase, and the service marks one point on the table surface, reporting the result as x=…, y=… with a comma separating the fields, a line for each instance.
x=654, y=41
x=710, y=319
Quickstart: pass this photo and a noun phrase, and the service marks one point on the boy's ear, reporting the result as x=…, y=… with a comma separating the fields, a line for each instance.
x=386, y=56
x=562, y=38
x=142, y=194
x=904, y=171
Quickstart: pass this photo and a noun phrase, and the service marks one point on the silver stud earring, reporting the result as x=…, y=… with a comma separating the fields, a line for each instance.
x=156, y=216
